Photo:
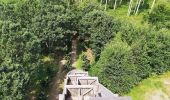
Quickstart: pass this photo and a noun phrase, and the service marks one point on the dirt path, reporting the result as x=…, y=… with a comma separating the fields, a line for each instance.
x=74, y=51
x=56, y=84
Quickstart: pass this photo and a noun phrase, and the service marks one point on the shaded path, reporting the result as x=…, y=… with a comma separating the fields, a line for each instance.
x=57, y=82
x=74, y=51
x=55, y=85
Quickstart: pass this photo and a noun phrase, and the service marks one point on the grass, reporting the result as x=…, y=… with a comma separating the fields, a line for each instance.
x=79, y=62
x=121, y=13
x=153, y=88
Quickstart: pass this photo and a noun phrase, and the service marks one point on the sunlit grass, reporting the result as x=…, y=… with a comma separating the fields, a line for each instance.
x=79, y=62
x=151, y=88
x=121, y=14
x=47, y=59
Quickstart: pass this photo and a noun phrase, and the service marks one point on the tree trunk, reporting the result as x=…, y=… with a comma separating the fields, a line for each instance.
x=153, y=3
x=143, y=1
x=106, y=5
x=101, y=1
x=115, y=4
x=68, y=3
x=120, y=2
x=130, y=7
x=138, y=7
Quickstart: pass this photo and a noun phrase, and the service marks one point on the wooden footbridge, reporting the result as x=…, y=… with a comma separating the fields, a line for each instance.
x=78, y=85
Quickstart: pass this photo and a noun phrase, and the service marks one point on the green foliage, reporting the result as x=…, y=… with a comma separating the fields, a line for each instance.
x=19, y=59
x=83, y=62
x=96, y=29
x=159, y=50
x=79, y=62
x=29, y=30
x=159, y=16
x=131, y=57
x=115, y=67
x=68, y=65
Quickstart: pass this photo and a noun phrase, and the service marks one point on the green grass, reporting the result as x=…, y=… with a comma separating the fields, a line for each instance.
x=154, y=88
x=121, y=13
x=79, y=62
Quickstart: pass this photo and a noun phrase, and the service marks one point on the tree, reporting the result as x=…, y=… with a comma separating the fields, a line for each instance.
x=96, y=29
x=130, y=7
x=159, y=17
x=153, y=3
x=138, y=5
x=106, y=1
x=120, y=2
x=101, y=1
x=28, y=31
x=115, y=4
x=115, y=67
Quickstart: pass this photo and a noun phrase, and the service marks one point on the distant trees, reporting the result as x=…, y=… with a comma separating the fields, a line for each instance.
x=159, y=16
x=140, y=4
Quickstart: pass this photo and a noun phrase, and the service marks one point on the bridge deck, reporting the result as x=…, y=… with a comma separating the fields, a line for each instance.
x=78, y=85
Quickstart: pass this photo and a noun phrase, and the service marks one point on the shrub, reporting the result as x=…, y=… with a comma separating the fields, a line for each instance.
x=115, y=68
x=123, y=64
x=159, y=50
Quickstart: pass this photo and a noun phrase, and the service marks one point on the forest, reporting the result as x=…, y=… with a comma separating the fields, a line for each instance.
x=122, y=42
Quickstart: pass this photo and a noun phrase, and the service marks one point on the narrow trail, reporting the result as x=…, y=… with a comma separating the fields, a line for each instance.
x=74, y=51
x=55, y=85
